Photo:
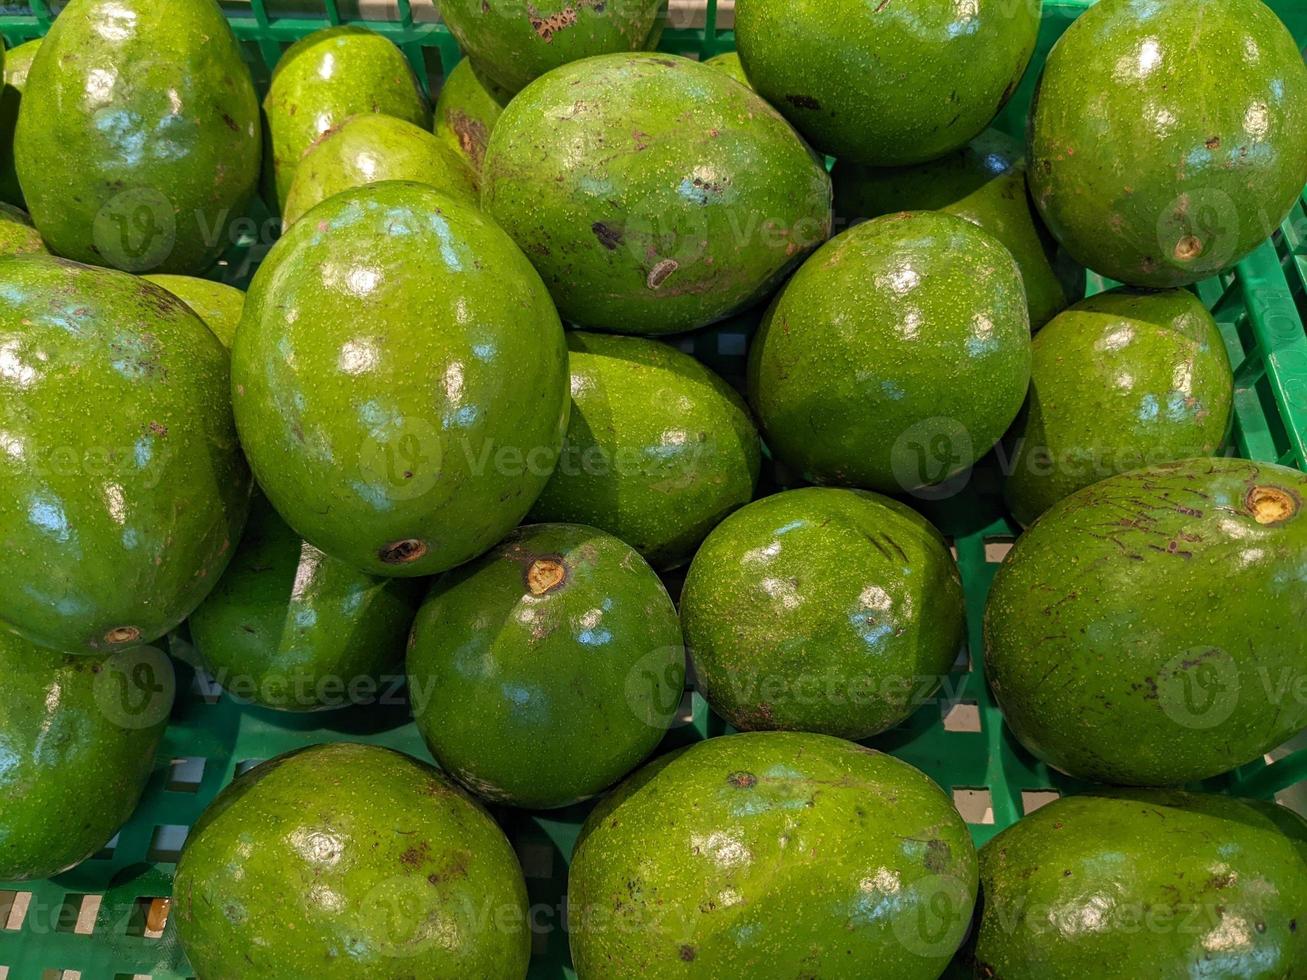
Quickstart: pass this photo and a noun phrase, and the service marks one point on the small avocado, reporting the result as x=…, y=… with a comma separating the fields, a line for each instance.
x=17, y=63
x=466, y=112
x=546, y=670
x=345, y=861
x=216, y=303
x=18, y=236
x=729, y=62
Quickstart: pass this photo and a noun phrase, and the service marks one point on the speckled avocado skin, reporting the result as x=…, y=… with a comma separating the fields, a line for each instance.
x=73, y=768
x=984, y=182
x=1147, y=630
x=138, y=135
x=896, y=356
x=370, y=148
x=772, y=854
x=909, y=81
x=1122, y=884
x=513, y=42
x=822, y=610
x=729, y=62
x=658, y=450
x=321, y=81
x=17, y=63
x=1122, y=380
x=654, y=194
x=18, y=236
x=216, y=303
x=427, y=399
x=466, y=112
x=289, y=628
x=546, y=670
x=123, y=490
x=1169, y=137
x=349, y=860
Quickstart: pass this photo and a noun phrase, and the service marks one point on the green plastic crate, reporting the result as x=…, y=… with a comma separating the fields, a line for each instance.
x=101, y=918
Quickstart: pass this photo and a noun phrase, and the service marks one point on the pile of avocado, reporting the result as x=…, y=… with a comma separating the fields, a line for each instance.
x=442, y=438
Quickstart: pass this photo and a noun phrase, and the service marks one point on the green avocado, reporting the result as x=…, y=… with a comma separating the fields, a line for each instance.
x=897, y=355
x=1122, y=380
x=549, y=668
x=78, y=737
x=772, y=854
x=17, y=63
x=984, y=182
x=729, y=62
x=513, y=42
x=346, y=861
x=909, y=80
x=424, y=405
x=658, y=450
x=466, y=112
x=291, y=629
x=1169, y=138
x=1147, y=630
x=18, y=236
x=1123, y=884
x=321, y=81
x=216, y=303
x=677, y=198
x=822, y=610
x=370, y=148
x=122, y=487
x=138, y=134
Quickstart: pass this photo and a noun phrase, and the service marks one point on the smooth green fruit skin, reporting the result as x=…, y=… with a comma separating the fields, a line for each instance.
x=512, y=43
x=1122, y=884
x=370, y=148
x=896, y=356
x=1147, y=630
x=1168, y=139
x=346, y=860
x=426, y=400
x=729, y=62
x=73, y=769
x=466, y=112
x=548, y=669
x=658, y=451
x=909, y=81
x=289, y=628
x=984, y=182
x=217, y=304
x=18, y=236
x=138, y=135
x=17, y=63
x=822, y=610
x=1120, y=381
x=321, y=81
x=772, y=854
x=676, y=198
x=122, y=488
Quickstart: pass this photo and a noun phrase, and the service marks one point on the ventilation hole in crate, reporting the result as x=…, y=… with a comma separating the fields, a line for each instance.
x=685, y=710
x=1033, y=799
x=206, y=688
x=53, y=974
x=148, y=917
x=106, y=853
x=997, y=547
x=4, y=973
x=961, y=716
x=975, y=804
x=13, y=909
x=245, y=765
x=952, y=547
x=166, y=843
x=963, y=660
x=186, y=774
x=731, y=344
x=68, y=914
x=537, y=859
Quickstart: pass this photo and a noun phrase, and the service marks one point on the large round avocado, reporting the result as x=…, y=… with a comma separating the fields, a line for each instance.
x=729, y=62
x=138, y=135
x=1122, y=884
x=548, y=669
x=1122, y=380
x=122, y=486
x=17, y=63
x=676, y=197
x=1169, y=138
x=346, y=861
x=907, y=80
x=466, y=112
x=658, y=450
x=217, y=304
x=772, y=854
x=400, y=380
x=1147, y=630
x=896, y=356
x=18, y=236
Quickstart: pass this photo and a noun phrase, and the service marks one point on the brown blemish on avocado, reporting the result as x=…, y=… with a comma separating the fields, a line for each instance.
x=122, y=634
x=1214, y=143
x=1188, y=248
x=609, y=237
x=545, y=574
x=804, y=102
x=687, y=953
x=742, y=780
x=1271, y=505
x=472, y=136
x=659, y=273
x=938, y=855
x=403, y=552
x=415, y=855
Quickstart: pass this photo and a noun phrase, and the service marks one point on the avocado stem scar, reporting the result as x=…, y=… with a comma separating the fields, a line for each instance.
x=122, y=634
x=403, y=552
x=545, y=574
x=1271, y=505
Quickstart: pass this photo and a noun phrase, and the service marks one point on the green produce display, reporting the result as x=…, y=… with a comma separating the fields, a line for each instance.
x=18, y=236
x=17, y=63
x=217, y=304
x=466, y=113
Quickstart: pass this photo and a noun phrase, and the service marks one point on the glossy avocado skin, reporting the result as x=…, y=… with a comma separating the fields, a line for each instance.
x=426, y=403
x=1149, y=165
x=1121, y=884
x=771, y=854
x=322, y=80
x=289, y=628
x=17, y=63
x=909, y=81
x=822, y=610
x=896, y=356
x=653, y=218
x=123, y=491
x=370, y=148
x=549, y=668
x=729, y=62
x=1147, y=630
x=348, y=860
x=658, y=450
x=216, y=303
x=138, y=135
x=1121, y=380
x=466, y=112
x=18, y=236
